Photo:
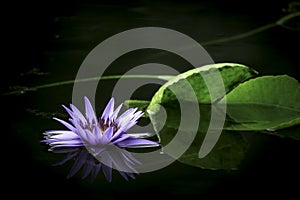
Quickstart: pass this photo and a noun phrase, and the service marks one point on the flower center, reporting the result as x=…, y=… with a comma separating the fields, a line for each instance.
x=103, y=126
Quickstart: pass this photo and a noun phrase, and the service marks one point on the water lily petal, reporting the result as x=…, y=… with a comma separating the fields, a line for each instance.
x=78, y=114
x=89, y=112
x=116, y=112
x=66, y=124
x=109, y=133
x=108, y=111
x=136, y=142
x=141, y=135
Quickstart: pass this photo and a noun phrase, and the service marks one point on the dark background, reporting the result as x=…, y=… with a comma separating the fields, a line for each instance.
x=55, y=36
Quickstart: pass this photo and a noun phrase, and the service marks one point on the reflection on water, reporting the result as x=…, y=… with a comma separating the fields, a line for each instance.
x=91, y=165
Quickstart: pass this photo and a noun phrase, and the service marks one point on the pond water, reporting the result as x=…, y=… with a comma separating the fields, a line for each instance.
x=51, y=40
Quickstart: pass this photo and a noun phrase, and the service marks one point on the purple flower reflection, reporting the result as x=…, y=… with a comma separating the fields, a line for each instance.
x=90, y=165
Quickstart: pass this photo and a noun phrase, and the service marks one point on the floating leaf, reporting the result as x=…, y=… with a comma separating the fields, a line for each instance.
x=221, y=77
x=202, y=85
x=268, y=102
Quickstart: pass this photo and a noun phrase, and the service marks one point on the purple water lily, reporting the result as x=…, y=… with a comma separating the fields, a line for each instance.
x=100, y=134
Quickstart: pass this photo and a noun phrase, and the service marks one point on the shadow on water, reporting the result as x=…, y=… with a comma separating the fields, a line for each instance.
x=54, y=38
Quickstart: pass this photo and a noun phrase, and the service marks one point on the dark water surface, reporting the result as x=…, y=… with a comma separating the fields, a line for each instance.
x=55, y=37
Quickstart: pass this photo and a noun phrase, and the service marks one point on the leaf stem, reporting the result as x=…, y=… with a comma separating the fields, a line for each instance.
x=240, y=36
x=279, y=22
x=22, y=90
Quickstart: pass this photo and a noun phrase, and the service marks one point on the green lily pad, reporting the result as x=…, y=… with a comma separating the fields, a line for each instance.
x=221, y=77
x=264, y=103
